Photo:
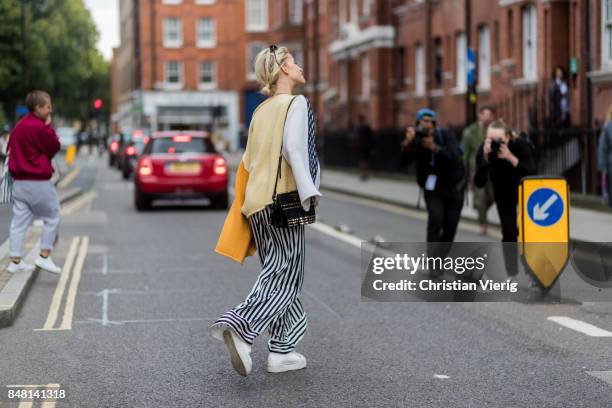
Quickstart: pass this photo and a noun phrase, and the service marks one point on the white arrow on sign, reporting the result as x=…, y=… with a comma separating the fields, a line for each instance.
x=540, y=212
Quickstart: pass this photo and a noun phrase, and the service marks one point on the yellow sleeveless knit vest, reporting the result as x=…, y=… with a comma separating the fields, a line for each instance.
x=262, y=152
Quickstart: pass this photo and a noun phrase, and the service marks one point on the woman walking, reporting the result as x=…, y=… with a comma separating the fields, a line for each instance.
x=280, y=160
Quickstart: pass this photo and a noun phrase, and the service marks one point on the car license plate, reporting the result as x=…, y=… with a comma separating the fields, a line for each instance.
x=185, y=168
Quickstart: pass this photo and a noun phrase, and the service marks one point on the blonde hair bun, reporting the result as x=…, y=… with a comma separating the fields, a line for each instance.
x=267, y=68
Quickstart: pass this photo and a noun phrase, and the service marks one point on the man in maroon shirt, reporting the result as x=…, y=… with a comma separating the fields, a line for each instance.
x=31, y=147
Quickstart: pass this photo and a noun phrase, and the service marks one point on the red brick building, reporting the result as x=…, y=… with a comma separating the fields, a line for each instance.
x=387, y=59
x=189, y=63
x=178, y=59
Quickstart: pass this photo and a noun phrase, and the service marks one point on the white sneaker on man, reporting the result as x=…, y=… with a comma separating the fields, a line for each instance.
x=279, y=363
x=22, y=266
x=240, y=352
x=47, y=264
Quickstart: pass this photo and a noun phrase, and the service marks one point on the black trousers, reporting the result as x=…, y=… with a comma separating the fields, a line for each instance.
x=507, y=210
x=443, y=210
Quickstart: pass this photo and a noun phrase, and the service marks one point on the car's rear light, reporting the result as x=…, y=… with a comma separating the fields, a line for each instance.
x=219, y=166
x=131, y=151
x=146, y=167
x=181, y=139
x=146, y=139
x=114, y=146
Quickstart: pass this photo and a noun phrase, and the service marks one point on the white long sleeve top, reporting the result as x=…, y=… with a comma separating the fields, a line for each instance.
x=295, y=151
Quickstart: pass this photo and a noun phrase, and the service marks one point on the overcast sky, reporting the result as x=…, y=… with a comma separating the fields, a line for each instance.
x=106, y=16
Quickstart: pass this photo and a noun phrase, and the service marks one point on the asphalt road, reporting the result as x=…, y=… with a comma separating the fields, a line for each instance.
x=150, y=285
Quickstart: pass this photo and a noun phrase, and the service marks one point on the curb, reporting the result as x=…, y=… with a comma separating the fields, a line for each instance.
x=400, y=204
x=397, y=203
x=14, y=293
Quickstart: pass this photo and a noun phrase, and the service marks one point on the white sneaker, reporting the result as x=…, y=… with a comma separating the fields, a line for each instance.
x=278, y=363
x=47, y=264
x=20, y=267
x=240, y=352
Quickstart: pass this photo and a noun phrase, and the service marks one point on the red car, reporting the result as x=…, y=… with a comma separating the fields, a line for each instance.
x=180, y=164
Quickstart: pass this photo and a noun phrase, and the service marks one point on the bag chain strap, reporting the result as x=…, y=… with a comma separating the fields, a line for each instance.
x=280, y=157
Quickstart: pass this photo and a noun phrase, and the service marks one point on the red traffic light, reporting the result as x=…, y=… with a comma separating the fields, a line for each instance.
x=98, y=104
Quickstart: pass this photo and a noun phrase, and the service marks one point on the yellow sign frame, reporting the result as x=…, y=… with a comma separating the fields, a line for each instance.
x=544, y=250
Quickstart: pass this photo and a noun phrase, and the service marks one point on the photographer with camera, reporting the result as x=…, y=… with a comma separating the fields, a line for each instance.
x=440, y=172
x=505, y=159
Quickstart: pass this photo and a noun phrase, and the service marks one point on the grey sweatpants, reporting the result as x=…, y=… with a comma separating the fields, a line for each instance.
x=34, y=200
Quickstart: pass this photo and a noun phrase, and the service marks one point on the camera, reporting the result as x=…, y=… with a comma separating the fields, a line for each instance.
x=420, y=134
x=495, y=147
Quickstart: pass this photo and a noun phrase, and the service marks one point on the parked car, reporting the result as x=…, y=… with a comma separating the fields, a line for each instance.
x=113, y=148
x=131, y=154
x=67, y=137
x=180, y=164
x=129, y=137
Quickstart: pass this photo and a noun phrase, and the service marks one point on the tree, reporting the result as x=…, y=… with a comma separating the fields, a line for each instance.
x=61, y=57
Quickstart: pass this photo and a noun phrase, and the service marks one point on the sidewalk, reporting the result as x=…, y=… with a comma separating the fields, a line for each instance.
x=585, y=225
x=14, y=287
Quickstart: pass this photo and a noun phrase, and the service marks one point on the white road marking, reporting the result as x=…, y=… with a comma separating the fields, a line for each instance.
x=33, y=386
x=105, y=307
x=61, y=286
x=121, y=322
x=332, y=232
x=397, y=209
x=105, y=264
x=605, y=376
x=580, y=326
x=441, y=376
x=325, y=305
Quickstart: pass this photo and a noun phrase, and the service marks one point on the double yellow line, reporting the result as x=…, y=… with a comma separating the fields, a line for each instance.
x=72, y=270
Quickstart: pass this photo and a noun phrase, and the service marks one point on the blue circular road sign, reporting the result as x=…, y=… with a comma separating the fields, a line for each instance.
x=545, y=207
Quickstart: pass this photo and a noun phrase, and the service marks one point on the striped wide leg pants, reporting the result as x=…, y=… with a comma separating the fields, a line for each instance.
x=274, y=302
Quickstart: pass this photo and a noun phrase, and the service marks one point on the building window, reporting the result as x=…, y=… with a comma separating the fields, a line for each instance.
x=173, y=37
x=174, y=75
x=438, y=62
x=510, y=34
x=367, y=7
x=205, y=2
x=530, y=56
x=342, y=11
x=171, y=1
x=419, y=69
x=252, y=50
x=298, y=56
x=343, y=82
x=365, y=76
x=484, y=58
x=256, y=15
x=606, y=45
x=461, y=62
x=354, y=11
x=208, y=74
x=206, y=33
x=296, y=11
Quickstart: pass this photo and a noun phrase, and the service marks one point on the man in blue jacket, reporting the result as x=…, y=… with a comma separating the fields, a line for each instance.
x=440, y=173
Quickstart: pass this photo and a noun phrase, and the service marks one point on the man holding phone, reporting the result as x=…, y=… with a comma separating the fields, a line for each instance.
x=32, y=145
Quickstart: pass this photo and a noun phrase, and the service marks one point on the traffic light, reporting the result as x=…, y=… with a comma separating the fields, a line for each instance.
x=97, y=104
